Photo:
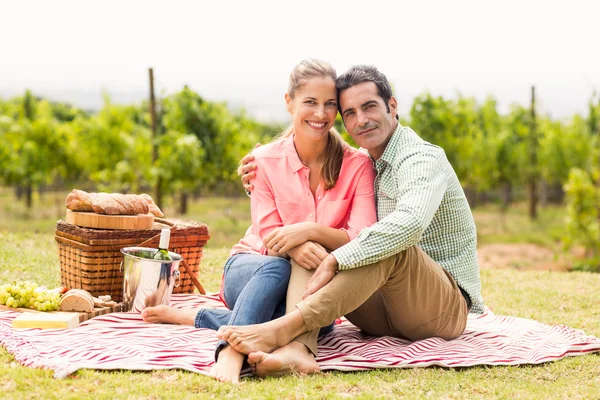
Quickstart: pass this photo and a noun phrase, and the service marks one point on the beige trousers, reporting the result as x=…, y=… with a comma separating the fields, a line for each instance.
x=298, y=282
x=408, y=296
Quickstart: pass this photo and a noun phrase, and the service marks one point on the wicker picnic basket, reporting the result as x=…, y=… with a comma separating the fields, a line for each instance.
x=91, y=259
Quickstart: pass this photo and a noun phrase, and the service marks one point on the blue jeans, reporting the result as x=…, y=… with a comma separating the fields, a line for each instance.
x=254, y=287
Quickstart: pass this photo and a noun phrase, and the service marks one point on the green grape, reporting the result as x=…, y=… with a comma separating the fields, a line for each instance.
x=29, y=294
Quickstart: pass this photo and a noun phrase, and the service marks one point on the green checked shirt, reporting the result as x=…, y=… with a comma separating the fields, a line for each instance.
x=419, y=202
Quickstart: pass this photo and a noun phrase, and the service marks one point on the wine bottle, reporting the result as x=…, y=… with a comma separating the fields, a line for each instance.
x=163, y=246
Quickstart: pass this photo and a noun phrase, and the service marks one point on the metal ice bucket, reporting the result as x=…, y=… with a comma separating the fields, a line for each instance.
x=147, y=282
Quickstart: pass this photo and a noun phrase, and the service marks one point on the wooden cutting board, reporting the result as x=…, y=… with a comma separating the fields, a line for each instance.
x=101, y=221
x=83, y=316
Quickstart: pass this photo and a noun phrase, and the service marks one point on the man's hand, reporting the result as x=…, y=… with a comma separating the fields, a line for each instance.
x=245, y=170
x=322, y=276
x=287, y=237
x=308, y=255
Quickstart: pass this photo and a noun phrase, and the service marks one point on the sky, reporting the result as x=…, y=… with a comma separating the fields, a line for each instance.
x=243, y=51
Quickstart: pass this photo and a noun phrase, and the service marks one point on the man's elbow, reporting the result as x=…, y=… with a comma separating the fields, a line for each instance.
x=415, y=231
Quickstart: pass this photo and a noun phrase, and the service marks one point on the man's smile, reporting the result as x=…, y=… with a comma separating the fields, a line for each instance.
x=361, y=133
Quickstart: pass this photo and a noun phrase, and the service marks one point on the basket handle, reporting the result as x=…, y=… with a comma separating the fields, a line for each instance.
x=188, y=269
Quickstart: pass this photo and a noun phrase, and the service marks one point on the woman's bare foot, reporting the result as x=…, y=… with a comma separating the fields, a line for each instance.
x=228, y=366
x=294, y=357
x=169, y=315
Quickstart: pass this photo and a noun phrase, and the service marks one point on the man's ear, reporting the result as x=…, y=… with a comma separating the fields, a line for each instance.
x=288, y=102
x=393, y=104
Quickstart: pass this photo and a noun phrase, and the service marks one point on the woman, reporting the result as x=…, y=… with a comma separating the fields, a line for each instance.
x=312, y=192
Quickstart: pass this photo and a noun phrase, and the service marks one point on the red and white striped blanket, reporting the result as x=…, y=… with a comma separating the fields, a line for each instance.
x=124, y=341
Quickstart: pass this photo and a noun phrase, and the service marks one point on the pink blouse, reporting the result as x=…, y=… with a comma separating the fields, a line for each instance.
x=282, y=195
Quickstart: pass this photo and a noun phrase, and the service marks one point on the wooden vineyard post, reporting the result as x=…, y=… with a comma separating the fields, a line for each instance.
x=155, y=133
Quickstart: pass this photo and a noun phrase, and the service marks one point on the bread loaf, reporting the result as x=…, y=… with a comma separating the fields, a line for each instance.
x=119, y=204
x=78, y=300
x=112, y=203
x=78, y=200
x=152, y=207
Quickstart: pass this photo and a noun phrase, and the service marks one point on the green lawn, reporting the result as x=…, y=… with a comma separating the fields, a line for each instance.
x=28, y=251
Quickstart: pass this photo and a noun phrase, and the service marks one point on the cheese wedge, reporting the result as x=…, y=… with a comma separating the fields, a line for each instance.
x=61, y=320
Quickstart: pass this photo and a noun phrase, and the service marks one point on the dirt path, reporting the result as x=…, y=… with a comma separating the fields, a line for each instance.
x=520, y=256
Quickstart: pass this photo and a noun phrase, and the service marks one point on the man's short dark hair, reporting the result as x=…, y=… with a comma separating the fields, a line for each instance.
x=364, y=73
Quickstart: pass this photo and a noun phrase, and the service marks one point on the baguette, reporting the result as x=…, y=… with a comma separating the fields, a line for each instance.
x=112, y=203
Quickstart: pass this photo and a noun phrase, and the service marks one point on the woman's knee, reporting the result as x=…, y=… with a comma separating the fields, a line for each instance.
x=277, y=267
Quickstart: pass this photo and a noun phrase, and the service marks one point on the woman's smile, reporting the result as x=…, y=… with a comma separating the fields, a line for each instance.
x=316, y=125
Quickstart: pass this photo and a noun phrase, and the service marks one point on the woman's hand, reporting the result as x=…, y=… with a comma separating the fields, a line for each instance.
x=308, y=255
x=287, y=237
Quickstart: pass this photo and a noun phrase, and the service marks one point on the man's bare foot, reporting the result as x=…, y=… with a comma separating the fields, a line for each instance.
x=228, y=366
x=250, y=338
x=169, y=315
x=264, y=337
x=291, y=358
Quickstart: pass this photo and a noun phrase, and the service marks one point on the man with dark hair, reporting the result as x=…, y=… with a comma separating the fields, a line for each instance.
x=413, y=274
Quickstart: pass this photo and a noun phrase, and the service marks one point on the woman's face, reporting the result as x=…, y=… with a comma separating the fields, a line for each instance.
x=313, y=108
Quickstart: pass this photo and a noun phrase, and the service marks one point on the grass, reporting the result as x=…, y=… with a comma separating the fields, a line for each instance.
x=28, y=251
x=516, y=226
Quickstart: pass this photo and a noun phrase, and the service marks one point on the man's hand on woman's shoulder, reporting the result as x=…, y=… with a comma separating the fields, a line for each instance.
x=246, y=170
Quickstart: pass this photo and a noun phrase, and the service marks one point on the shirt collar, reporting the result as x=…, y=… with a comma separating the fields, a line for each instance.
x=389, y=154
x=292, y=154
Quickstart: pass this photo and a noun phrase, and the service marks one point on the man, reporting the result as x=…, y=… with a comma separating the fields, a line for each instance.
x=413, y=274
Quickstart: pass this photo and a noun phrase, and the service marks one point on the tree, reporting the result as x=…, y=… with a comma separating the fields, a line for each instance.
x=562, y=147
x=583, y=227
x=115, y=148
x=180, y=164
x=225, y=137
x=37, y=148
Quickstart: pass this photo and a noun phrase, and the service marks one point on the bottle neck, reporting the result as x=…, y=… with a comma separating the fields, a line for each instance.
x=164, y=241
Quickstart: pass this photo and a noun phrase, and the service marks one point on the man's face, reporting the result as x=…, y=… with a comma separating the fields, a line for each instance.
x=366, y=117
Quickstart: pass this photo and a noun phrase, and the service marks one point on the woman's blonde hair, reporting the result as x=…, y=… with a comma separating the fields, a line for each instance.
x=336, y=146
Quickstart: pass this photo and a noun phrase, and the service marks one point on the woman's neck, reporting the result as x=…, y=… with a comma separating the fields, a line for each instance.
x=310, y=151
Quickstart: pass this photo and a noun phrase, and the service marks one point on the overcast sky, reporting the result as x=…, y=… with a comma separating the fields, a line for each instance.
x=243, y=51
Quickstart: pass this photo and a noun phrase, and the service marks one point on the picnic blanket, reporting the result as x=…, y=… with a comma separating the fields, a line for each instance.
x=123, y=341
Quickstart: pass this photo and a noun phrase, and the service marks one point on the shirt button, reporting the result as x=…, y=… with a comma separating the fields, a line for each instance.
x=311, y=214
